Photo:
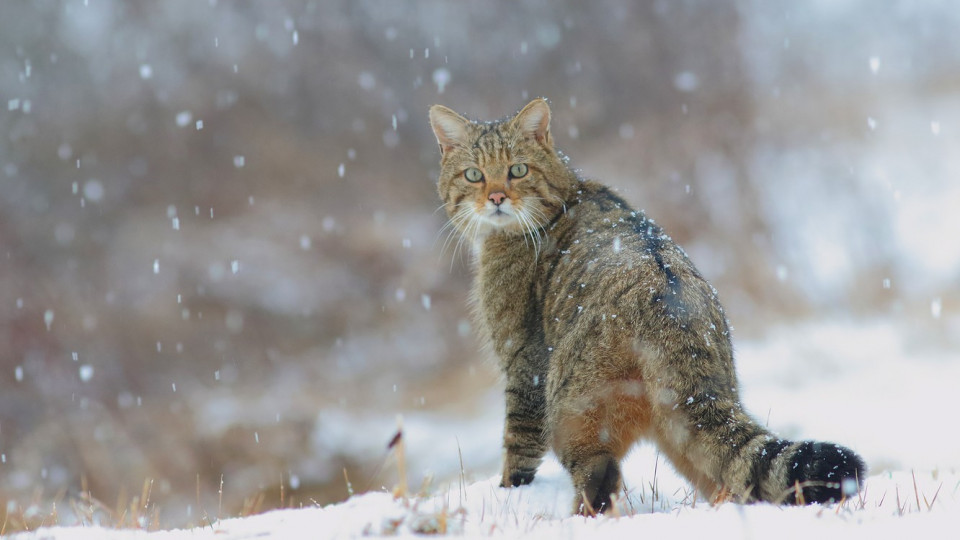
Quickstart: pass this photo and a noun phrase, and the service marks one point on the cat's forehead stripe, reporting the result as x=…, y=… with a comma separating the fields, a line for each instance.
x=491, y=143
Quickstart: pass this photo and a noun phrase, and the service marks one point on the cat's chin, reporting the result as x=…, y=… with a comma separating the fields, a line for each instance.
x=492, y=225
x=497, y=218
x=502, y=221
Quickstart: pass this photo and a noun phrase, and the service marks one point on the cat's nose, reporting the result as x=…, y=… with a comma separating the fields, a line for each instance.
x=497, y=197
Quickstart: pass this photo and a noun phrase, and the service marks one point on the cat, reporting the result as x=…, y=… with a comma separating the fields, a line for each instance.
x=605, y=331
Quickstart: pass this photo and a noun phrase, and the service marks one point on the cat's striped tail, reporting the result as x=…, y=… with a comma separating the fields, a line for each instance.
x=786, y=472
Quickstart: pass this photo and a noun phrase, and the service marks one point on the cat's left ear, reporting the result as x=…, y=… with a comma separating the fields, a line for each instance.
x=534, y=121
x=449, y=127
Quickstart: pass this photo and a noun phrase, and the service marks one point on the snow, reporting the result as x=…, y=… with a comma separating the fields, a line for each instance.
x=183, y=118
x=804, y=380
x=441, y=78
x=86, y=372
x=93, y=190
x=888, y=509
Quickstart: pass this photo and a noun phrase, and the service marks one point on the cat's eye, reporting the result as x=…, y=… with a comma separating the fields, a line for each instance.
x=473, y=174
x=518, y=170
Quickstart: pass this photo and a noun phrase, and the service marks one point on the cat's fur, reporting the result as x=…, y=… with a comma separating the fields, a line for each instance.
x=605, y=331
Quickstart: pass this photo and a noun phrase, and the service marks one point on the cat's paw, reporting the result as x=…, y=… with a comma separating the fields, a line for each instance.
x=600, y=503
x=516, y=478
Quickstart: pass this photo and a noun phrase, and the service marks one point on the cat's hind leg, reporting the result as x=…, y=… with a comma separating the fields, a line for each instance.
x=595, y=418
x=582, y=447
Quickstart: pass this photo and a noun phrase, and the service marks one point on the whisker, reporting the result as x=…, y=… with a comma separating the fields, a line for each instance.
x=439, y=207
x=538, y=213
x=563, y=203
x=475, y=232
x=456, y=248
x=471, y=228
x=451, y=226
x=532, y=228
x=542, y=215
x=522, y=220
x=446, y=243
x=534, y=237
x=456, y=225
x=451, y=223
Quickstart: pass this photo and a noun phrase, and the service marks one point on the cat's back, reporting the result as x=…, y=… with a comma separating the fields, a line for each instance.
x=602, y=246
x=615, y=267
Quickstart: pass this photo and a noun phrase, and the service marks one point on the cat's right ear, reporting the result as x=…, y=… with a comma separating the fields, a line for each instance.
x=449, y=127
x=534, y=121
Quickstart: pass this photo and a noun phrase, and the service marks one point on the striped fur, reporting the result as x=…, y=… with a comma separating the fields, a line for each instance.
x=605, y=331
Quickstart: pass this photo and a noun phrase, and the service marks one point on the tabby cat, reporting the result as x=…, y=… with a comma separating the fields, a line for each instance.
x=605, y=331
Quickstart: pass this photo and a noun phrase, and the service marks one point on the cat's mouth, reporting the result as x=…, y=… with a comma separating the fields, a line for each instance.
x=499, y=216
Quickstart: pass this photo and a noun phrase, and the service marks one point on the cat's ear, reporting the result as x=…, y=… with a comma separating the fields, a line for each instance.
x=449, y=127
x=534, y=121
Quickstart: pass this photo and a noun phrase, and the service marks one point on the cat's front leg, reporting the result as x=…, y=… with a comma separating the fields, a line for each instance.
x=524, y=437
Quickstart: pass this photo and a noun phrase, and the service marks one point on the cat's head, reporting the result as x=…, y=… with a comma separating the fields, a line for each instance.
x=502, y=176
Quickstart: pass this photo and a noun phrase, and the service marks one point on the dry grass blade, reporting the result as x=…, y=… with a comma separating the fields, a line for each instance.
x=721, y=497
x=916, y=492
x=349, y=485
x=396, y=443
x=393, y=441
x=200, y=508
x=253, y=505
x=862, y=495
x=140, y=512
x=463, y=480
x=614, y=510
x=934, y=499
x=220, y=502
x=585, y=505
x=654, y=495
x=628, y=503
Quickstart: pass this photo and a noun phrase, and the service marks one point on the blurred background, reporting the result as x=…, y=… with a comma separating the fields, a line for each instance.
x=218, y=239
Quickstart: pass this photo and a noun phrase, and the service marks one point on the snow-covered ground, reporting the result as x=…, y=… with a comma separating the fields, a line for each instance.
x=884, y=390
x=540, y=511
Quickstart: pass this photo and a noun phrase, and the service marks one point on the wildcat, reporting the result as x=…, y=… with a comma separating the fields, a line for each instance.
x=605, y=331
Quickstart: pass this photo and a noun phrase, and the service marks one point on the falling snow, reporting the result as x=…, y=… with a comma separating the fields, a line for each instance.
x=183, y=118
x=441, y=78
x=86, y=372
x=936, y=308
x=808, y=168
